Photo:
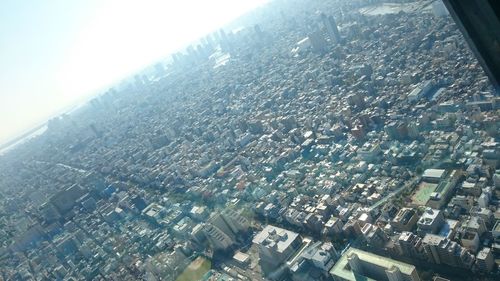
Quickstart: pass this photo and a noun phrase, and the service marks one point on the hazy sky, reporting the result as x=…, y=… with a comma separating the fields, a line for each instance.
x=54, y=52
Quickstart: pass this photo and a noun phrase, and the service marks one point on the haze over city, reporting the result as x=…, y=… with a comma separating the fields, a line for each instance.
x=300, y=140
x=54, y=53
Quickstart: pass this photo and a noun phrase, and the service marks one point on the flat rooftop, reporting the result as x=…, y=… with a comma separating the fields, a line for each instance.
x=434, y=173
x=241, y=257
x=342, y=270
x=272, y=236
x=483, y=254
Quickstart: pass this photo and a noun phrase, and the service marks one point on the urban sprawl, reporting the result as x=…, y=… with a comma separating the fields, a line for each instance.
x=321, y=140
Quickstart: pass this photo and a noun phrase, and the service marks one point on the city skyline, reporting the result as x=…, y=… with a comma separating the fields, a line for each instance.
x=309, y=140
x=58, y=53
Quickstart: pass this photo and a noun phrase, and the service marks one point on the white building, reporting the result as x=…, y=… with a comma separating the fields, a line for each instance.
x=276, y=244
x=360, y=265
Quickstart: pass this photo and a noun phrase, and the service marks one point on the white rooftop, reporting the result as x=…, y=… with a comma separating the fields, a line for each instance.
x=272, y=236
x=342, y=270
x=433, y=173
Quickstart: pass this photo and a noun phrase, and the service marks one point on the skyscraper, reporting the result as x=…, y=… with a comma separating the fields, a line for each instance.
x=159, y=69
x=331, y=27
x=318, y=42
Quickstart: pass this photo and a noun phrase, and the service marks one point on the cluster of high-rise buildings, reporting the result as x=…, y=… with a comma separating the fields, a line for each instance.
x=344, y=140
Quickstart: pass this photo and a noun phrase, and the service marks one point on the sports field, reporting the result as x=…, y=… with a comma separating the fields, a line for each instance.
x=195, y=270
x=422, y=193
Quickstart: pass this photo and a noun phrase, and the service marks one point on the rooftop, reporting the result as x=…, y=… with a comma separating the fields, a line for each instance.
x=241, y=257
x=497, y=226
x=434, y=173
x=483, y=254
x=429, y=216
x=432, y=239
x=342, y=270
x=272, y=236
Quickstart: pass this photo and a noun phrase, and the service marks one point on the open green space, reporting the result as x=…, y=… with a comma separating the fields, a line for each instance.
x=422, y=193
x=195, y=270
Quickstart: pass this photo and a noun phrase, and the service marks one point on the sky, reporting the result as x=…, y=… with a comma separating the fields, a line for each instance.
x=55, y=52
